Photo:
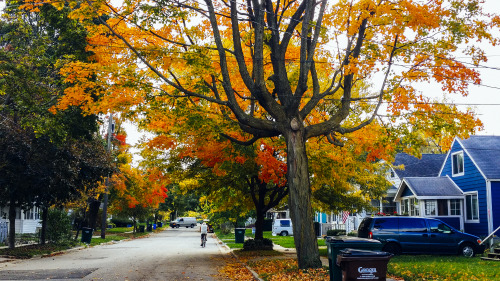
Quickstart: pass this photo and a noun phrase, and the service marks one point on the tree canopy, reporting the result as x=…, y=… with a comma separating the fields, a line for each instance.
x=286, y=69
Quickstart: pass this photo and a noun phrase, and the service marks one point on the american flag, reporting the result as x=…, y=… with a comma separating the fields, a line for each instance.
x=345, y=215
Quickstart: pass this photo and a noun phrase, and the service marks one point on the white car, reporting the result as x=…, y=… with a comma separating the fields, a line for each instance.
x=184, y=221
x=282, y=227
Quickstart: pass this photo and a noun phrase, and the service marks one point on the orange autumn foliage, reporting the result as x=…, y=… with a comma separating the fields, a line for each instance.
x=292, y=71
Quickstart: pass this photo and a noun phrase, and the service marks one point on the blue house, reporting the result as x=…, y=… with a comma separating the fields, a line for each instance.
x=466, y=192
x=408, y=166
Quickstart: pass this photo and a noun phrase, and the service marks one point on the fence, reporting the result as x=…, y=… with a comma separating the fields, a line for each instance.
x=4, y=226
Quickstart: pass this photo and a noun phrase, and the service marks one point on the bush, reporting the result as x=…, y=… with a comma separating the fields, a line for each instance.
x=121, y=222
x=335, y=232
x=257, y=244
x=58, y=226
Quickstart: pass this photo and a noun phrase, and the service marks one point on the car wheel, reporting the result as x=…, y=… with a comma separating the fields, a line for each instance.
x=392, y=248
x=192, y=225
x=284, y=233
x=467, y=250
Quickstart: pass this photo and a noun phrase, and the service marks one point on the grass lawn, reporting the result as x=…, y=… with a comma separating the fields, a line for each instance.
x=283, y=241
x=30, y=251
x=119, y=229
x=450, y=268
x=408, y=267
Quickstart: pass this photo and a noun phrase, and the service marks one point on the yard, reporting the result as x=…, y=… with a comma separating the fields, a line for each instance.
x=409, y=268
x=113, y=234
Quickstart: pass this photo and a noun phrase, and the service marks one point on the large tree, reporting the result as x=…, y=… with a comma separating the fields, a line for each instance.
x=61, y=153
x=285, y=68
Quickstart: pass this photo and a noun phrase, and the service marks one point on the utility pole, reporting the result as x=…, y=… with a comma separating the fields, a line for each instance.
x=104, y=221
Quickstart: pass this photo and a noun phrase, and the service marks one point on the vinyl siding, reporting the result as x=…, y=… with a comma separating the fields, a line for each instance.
x=470, y=181
x=407, y=192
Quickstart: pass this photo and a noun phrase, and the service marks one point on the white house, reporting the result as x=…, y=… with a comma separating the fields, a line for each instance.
x=27, y=221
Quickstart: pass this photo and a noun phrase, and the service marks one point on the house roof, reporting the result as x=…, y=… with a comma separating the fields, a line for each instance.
x=430, y=188
x=485, y=152
x=427, y=166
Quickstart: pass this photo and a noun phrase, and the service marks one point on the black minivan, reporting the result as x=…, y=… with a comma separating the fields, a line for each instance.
x=418, y=235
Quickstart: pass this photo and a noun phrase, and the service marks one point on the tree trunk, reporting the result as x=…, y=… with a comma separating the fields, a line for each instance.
x=300, y=201
x=259, y=225
x=12, y=224
x=45, y=214
x=93, y=214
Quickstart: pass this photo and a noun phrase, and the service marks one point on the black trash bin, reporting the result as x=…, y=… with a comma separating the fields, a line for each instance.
x=268, y=225
x=239, y=235
x=87, y=235
x=363, y=265
x=337, y=243
x=150, y=227
x=160, y=224
x=141, y=228
x=317, y=228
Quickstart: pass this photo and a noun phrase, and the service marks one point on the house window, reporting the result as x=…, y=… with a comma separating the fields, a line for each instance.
x=32, y=214
x=414, y=208
x=457, y=160
x=28, y=214
x=430, y=207
x=405, y=209
x=393, y=175
x=471, y=207
x=455, y=207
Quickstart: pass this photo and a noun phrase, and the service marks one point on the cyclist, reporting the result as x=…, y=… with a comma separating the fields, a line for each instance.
x=203, y=230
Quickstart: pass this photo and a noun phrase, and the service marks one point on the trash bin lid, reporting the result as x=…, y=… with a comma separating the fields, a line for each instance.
x=350, y=239
x=362, y=253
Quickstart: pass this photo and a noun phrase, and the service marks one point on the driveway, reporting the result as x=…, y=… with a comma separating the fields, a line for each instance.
x=174, y=254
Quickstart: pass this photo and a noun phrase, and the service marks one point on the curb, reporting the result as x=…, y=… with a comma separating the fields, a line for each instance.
x=255, y=275
x=220, y=242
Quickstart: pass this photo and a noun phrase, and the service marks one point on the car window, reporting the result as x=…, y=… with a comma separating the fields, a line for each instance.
x=386, y=224
x=365, y=223
x=439, y=227
x=285, y=223
x=412, y=225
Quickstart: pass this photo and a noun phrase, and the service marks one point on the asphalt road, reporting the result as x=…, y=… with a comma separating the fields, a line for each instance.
x=174, y=254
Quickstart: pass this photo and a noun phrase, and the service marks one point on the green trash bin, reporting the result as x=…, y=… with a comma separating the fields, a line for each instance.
x=239, y=235
x=337, y=243
x=86, y=235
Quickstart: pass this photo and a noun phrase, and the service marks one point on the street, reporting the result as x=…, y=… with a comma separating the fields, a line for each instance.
x=174, y=254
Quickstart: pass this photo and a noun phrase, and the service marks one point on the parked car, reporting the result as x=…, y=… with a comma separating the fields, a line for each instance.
x=282, y=227
x=184, y=221
x=419, y=235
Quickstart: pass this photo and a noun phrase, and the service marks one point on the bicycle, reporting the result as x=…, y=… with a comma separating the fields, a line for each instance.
x=203, y=240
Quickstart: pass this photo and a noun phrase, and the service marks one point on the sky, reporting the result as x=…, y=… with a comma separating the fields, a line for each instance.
x=484, y=98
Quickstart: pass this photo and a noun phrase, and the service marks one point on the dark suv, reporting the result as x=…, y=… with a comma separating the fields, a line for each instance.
x=419, y=235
